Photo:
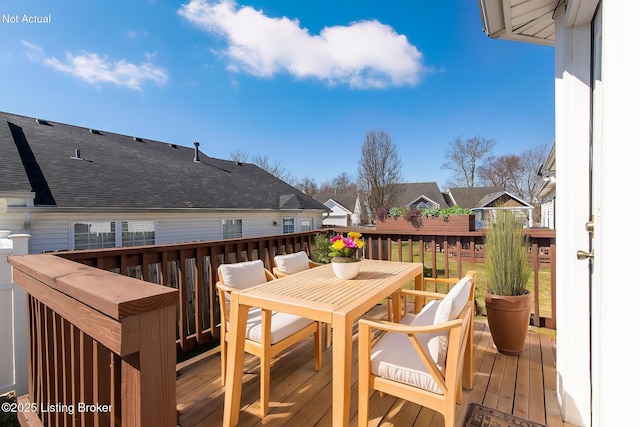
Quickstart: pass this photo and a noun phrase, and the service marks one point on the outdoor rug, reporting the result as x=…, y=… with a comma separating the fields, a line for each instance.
x=481, y=416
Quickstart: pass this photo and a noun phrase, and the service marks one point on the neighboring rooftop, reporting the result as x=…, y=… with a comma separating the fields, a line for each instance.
x=469, y=197
x=75, y=167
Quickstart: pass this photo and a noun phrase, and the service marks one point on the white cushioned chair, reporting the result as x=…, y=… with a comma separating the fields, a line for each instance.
x=292, y=263
x=421, y=358
x=286, y=329
x=295, y=263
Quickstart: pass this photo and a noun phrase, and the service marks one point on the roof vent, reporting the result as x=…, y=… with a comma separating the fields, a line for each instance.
x=137, y=138
x=95, y=131
x=196, y=157
x=42, y=122
x=173, y=146
x=78, y=156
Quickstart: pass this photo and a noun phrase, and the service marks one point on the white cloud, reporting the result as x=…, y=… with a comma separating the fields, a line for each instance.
x=95, y=69
x=362, y=54
x=32, y=52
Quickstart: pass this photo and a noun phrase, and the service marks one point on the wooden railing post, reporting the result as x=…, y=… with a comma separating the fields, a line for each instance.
x=101, y=346
x=149, y=375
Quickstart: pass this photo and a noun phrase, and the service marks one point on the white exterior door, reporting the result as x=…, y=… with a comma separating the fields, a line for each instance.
x=597, y=92
x=615, y=293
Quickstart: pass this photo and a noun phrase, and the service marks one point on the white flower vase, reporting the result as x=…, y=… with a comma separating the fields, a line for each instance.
x=346, y=270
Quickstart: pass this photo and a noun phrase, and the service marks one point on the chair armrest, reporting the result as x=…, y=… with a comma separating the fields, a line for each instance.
x=224, y=288
x=426, y=294
x=314, y=264
x=269, y=275
x=385, y=325
x=452, y=280
x=279, y=273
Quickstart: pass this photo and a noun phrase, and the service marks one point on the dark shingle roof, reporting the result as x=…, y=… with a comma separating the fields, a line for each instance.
x=118, y=171
x=470, y=197
x=411, y=191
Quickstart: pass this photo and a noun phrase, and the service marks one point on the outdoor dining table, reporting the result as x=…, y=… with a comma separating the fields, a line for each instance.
x=319, y=295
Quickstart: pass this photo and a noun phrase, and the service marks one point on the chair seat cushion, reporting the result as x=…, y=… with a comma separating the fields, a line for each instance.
x=292, y=263
x=282, y=325
x=394, y=358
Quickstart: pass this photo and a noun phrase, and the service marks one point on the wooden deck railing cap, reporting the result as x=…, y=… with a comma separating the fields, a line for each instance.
x=115, y=295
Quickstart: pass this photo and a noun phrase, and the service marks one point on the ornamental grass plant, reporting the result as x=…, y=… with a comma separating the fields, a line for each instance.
x=506, y=251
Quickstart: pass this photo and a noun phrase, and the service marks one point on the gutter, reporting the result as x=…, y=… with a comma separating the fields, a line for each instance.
x=492, y=15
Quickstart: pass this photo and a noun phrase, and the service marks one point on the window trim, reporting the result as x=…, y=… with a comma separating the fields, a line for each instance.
x=293, y=224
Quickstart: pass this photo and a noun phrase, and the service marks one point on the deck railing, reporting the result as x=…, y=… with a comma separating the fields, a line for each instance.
x=101, y=350
x=191, y=268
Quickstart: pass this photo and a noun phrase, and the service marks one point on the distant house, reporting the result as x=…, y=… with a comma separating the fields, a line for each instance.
x=483, y=201
x=344, y=209
x=76, y=188
x=421, y=195
x=547, y=192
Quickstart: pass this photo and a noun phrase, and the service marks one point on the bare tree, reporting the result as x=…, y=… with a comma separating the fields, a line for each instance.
x=518, y=174
x=340, y=184
x=239, y=156
x=379, y=171
x=274, y=168
x=530, y=161
x=464, y=157
x=308, y=186
x=498, y=171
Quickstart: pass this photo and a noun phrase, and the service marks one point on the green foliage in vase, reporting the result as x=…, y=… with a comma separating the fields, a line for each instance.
x=323, y=247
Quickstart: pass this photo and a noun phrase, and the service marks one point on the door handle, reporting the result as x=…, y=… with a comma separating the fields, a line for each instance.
x=584, y=255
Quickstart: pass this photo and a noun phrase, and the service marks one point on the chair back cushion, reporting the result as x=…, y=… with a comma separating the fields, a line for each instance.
x=433, y=313
x=458, y=295
x=243, y=275
x=292, y=263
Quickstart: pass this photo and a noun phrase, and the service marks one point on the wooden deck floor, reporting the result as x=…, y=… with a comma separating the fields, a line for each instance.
x=523, y=386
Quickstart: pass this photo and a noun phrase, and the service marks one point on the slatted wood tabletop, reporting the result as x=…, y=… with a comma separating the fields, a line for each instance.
x=523, y=386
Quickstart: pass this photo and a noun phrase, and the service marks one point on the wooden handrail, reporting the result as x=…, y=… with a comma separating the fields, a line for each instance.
x=101, y=350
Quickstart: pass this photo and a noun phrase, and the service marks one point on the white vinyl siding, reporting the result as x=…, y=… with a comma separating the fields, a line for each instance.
x=51, y=231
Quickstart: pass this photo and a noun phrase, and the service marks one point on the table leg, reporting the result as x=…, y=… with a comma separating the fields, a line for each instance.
x=342, y=347
x=235, y=361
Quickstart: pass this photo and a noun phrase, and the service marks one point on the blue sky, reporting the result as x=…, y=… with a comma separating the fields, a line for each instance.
x=298, y=81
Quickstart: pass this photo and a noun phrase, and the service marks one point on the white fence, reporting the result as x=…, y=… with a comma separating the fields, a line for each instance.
x=13, y=318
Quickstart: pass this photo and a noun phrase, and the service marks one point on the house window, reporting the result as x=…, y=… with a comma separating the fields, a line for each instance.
x=138, y=233
x=426, y=205
x=306, y=224
x=287, y=225
x=112, y=234
x=94, y=235
x=231, y=228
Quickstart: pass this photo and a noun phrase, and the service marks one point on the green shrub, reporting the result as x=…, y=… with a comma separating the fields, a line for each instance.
x=323, y=247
